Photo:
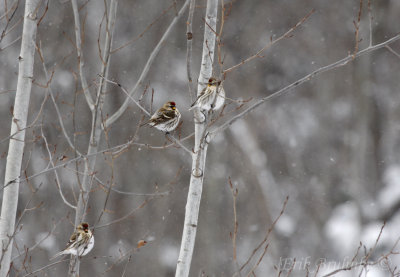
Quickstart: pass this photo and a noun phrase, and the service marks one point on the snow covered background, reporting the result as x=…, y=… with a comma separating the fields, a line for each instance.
x=331, y=144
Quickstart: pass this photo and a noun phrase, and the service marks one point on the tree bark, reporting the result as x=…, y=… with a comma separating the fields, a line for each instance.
x=200, y=148
x=17, y=141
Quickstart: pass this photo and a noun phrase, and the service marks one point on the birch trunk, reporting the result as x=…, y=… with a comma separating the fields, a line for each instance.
x=200, y=149
x=95, y=134
x=17, y=142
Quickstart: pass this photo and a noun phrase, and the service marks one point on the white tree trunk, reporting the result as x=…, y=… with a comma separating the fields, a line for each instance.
x=200, y=149
x=17, y=141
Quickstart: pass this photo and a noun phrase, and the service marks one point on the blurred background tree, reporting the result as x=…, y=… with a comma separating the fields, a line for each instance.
x=331, y=144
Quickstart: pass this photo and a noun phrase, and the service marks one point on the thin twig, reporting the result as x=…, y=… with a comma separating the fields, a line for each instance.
x=271, y=43
x=365, y=261
x=266, y=235
x=46, y=266
x=33, y=247
x=234, y=192
x=13, y=10
x=146, y=68
x=131, y=142
x=10, y=44
x=376, y=243
x=58, y=182
x=357, y=27
x=103, y=186
x=50, y=91
x=164, y=12
x=259, y=261
x=7, y=11
x=306, y=78
x=16, y=24
x=144, y=203
x=17, y=225
x=111, y=182
x=392, y=51
x=78, y=46
x=82, y=157
x=180, y=144
x=146, y=112
x=127, y=94
x=126, y=265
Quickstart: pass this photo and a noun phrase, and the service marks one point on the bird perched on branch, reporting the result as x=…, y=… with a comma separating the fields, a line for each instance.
x=80, y=243
x=166, y=119
x=212, y=97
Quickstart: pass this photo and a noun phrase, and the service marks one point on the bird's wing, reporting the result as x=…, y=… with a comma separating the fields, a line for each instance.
x=200, y=95
x=72, y=239
x=163, y=116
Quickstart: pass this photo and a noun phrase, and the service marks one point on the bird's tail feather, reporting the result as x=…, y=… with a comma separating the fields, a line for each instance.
x=194, y=105
x=57, y=255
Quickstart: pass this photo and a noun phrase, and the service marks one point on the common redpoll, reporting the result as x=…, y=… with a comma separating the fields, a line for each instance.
x=166, y=119
x=211, y=97
x=80, y=243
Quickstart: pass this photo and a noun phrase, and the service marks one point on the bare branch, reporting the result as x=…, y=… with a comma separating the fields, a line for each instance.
x=146, y=68
x=127, y=95
x=164, y=12
x=10, y=44
x=357, y=27
x=146, y=112
x=306, y=78
x=84, y=157
x=259, y=261
x=133, y=193
x=178, y=142
x=33, y=247
x=58, y=182
x=78, y=39
x=267, y=234
x=13, y=10
x=144, y=203
x=14, y=6
x=50, y=91
x=392, y=51
x=234, y=192
x=46, y=266
x=258, y=54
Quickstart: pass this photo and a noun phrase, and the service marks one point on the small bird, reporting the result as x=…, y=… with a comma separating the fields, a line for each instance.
x=166, y=119
x=211, y=97
x=80, y=243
